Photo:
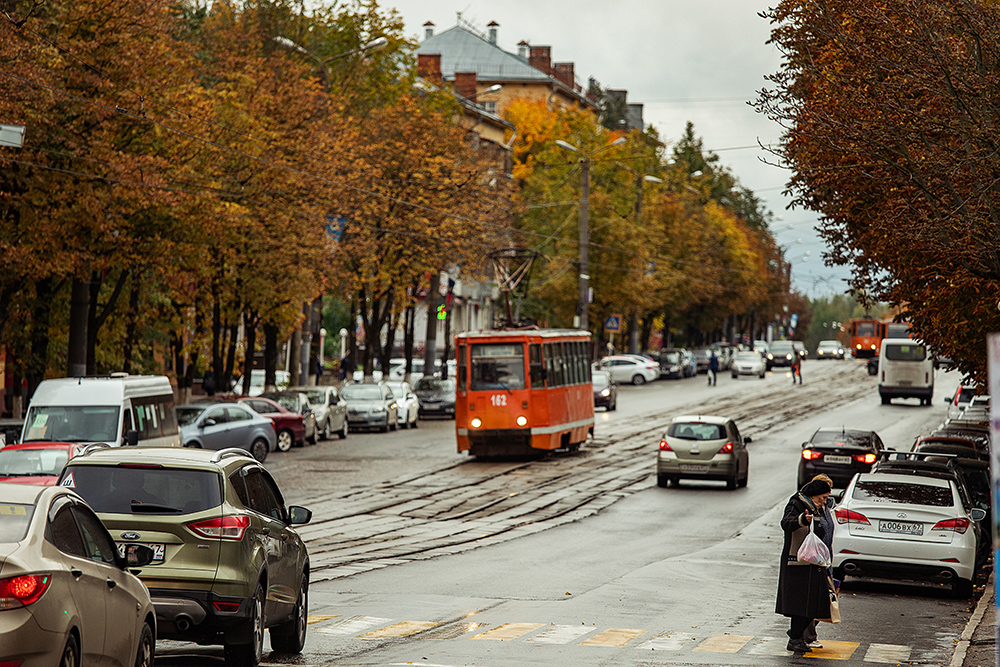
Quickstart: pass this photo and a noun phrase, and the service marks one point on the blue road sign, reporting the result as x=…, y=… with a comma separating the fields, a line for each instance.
x=613, y=323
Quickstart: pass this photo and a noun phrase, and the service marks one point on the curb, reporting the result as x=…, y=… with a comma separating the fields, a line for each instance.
x=965, y=640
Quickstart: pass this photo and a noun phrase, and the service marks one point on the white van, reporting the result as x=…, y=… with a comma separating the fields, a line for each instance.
x=905, y=370
x=119, y=409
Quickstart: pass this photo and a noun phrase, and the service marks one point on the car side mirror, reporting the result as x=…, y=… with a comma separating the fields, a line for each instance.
x=947, y=400
x=977, y=514
x=747, y=440
x=131, y=437
x=299, y=515
x=138, y=555
x=209, y=422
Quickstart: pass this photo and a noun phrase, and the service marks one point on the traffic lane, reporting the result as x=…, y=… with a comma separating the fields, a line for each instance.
x=364, y=459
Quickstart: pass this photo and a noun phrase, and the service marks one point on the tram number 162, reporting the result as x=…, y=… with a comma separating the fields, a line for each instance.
x=498, y=400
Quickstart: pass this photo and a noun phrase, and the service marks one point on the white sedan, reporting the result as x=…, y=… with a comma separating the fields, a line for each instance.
x=631, y=368
x=409, y=404
x=748, y=363
x=907, y=526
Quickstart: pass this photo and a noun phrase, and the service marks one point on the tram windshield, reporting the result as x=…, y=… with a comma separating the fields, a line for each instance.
x=497, y=366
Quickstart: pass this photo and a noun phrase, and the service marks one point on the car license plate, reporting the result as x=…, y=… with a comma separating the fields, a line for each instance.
x=158, y=550
x=694, y=467
x=839, y=460
x=901, y=527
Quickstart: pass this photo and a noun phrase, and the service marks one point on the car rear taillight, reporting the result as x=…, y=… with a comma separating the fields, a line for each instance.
x=959, y=525
x=664, y=447
x=726, y=449
x=865, y=458
x=811, y=454
x=850, y=516
x=227, y=607
x=224, y=528
x=22, y=590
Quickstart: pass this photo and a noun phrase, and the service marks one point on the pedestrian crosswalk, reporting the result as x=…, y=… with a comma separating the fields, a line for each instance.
x=375, y=627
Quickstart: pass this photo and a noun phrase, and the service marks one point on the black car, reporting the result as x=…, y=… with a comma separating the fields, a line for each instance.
x=673, y=363
x=605, y=390
x=436, y=396
x=840, y=453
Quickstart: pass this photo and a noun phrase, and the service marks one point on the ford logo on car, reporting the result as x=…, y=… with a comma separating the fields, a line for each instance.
x=130, y=536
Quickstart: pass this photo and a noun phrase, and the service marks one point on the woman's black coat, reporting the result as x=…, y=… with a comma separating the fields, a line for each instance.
x=802, y=588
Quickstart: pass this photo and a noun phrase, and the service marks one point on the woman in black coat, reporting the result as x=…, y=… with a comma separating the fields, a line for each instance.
x=803, y=591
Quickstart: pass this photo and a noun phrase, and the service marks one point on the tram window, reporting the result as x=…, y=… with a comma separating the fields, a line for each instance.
x=497, y=366
x=581, y=361
x=461, y=368
x=574, y=349
x=535, y=366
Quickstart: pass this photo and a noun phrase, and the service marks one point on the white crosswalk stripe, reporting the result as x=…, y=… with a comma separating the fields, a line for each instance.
x=561, y=634
x=887, y=653
x=669, y=641
x=353, y=625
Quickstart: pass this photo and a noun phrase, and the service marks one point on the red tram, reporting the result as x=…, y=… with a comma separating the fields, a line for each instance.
x=523, y=392
x=866, y=337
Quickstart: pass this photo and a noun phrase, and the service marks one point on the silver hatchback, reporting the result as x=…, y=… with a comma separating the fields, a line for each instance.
x=703, y=447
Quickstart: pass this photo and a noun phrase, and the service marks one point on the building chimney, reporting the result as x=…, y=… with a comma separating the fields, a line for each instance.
x=493, y=25
x=428, y=30
x=540, y=57
x=522, y=49
x=564, y=72
x=429, y=66
x=465, y=84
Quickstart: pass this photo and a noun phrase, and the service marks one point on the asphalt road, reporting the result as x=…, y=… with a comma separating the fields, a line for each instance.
x=423, y=556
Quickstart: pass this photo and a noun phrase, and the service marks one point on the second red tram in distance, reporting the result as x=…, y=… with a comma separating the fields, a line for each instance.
x=523, y=392
x=866, y=337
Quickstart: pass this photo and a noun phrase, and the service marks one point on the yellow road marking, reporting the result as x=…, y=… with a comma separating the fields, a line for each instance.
x=403, y=629
x=613, y=637
x=508, y=631
x=834, y=650
x=723, y=643
x=318, y=618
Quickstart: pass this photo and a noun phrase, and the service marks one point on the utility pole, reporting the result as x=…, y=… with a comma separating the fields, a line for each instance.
x=430, y=338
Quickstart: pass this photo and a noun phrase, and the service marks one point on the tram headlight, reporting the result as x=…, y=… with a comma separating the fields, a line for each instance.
x=476, y=422
x=522, y=420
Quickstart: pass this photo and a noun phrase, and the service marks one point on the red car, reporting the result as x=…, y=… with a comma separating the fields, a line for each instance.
x=290, y=426
x=36, y=462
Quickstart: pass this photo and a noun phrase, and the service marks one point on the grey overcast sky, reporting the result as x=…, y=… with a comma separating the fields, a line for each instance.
x=697, y=60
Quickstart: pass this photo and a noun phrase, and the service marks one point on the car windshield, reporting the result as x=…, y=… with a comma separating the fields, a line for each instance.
x=287, y=401
x=361, y=392
x=316, y=396
x=32, y=462
x=188, y=414
x=397, y=389
x=905, y=352
x=431, y=384
x=781, y=347
x=829, y=343
x=875, y=491
x=600, y=379
x=119, y=490
x=671, y=357
x=747, y=356
x=850, y=438
x=498, y=366
x=14, y=520
x=697, y=431
x=91, y=423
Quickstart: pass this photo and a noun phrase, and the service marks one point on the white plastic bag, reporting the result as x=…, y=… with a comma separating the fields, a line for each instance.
x=813, y=550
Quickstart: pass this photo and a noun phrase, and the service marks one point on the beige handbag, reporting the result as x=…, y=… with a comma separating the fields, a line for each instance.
x=834, y=605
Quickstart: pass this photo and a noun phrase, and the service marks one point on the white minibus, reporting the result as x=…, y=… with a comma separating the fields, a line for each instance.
x=118, y=409
x=905, y=370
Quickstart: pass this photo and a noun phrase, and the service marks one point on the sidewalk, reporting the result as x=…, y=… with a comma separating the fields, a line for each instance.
x=977, y=648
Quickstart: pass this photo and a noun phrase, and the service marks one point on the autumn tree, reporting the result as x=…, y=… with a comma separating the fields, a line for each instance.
x=890, y=117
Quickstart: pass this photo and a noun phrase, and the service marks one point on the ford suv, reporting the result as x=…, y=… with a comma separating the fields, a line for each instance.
x=228, y=563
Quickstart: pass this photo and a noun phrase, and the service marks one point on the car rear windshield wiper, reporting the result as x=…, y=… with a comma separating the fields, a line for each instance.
x=138, y=506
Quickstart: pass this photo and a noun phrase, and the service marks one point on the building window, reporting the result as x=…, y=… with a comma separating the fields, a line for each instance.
x=490, y=106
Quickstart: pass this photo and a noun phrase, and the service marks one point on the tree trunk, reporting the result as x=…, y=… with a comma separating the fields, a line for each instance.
x=270, y=357
x=645, y=331
x=447, y=346
x=408, y=326
x=250, y=321
x=77, y=354
x=223, y=383
x=95, y=319
x=131, y=324
x=41, y=315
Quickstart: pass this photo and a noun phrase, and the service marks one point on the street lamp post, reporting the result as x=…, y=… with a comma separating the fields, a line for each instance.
x=583, y=300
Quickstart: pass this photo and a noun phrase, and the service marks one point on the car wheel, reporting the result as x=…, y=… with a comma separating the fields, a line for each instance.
x=733, y=375
x=258, y=449
x=886, y=400
x=144, y=656
x=746, y=479
x=342, y=433
x=614, y=405
x=663, y=481
x=385, y=427
x=192, y=445
x=71, y=653
x=638, y=380
x=962, y=589
x=248, y=655
x=327, y=431
x=285, y=440
x=405, y=425
x=290, y=637
x=315, y=435
x=732, y=482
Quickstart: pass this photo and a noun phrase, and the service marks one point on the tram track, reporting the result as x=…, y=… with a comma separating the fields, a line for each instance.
x=474, y=503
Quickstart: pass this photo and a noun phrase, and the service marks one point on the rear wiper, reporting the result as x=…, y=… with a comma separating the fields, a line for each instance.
x=138, y=506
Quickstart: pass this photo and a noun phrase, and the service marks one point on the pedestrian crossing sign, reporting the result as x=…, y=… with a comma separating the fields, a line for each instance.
x=613, y=323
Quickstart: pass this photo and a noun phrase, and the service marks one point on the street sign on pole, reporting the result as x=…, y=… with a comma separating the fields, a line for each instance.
x=12, y=135
x=613, y=323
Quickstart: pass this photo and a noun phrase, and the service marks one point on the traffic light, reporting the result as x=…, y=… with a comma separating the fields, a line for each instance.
x=442, y=312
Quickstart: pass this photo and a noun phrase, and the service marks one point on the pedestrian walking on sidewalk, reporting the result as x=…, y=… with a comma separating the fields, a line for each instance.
x=825, y=518
x=713, y=368
x=803, y=592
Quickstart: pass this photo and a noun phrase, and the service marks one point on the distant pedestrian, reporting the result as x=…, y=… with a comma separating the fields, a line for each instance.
x=208, y=383
x=713, y=368
x=344, y=363
x=803, y=591
x=796, y=367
